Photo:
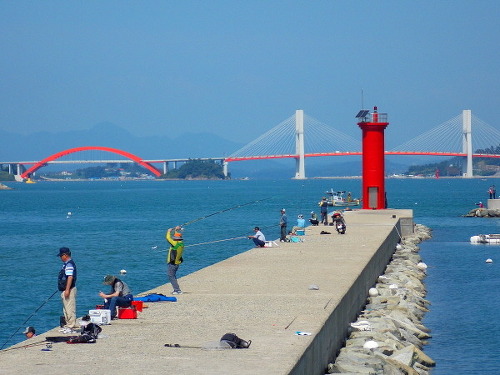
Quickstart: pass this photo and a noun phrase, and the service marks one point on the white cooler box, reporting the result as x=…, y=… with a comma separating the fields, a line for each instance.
x=100, y=316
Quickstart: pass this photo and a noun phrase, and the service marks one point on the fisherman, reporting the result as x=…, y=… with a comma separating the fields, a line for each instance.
x=174, y=257
x=120, y=295
x=324, y=210
x=66, y=283
x=314, y=219
x=29, y=332
x=258, y=238
x=301, y=224
x=283, y=224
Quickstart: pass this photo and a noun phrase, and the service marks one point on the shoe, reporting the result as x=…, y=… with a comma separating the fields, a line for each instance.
x=177, y=292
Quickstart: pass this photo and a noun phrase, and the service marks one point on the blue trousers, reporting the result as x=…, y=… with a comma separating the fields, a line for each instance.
x=115, y=302
x=172, y=271
x=258, y=242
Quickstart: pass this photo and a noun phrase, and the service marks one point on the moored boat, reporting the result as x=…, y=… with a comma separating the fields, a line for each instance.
x=492, y=239
x=337, y=198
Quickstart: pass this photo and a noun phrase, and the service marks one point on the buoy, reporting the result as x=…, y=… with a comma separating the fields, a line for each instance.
x=123, y=272
x=370, y=345
x=373, y=292
x=489, y=260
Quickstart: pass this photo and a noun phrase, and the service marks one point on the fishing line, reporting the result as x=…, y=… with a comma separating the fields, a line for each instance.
x=29, y=317
x=225, y=239
x=225, y=210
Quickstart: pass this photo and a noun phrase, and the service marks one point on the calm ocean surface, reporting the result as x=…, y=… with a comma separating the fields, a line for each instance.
x=121, y=225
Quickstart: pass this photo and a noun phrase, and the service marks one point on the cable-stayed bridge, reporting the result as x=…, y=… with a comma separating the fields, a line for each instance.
x=301, y=136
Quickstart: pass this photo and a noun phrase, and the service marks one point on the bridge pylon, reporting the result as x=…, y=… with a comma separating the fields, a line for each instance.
x=300, y=168
x=467, y=141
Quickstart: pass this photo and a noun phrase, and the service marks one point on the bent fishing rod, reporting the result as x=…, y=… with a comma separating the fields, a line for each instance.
x=29, y=317
x=221, y=211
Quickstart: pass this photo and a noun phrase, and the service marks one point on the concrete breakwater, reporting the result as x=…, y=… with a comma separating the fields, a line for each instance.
x=388, y=336
x=294, y=301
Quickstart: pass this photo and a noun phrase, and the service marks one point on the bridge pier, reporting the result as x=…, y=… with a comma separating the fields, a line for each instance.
x=165, y=167
x=225, y=166
x=300, y=169
x=467, y=141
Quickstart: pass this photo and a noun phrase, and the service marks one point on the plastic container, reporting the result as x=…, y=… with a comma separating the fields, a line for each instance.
x=127, y=312
x=138, y=305
x=100, y=316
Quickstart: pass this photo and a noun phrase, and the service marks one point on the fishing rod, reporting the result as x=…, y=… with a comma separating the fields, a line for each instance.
x=225, y=210
x=223, y=240
x=29, y=317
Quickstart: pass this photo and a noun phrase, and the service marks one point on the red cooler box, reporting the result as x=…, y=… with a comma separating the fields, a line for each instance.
x=138, y=305
x=127, y=312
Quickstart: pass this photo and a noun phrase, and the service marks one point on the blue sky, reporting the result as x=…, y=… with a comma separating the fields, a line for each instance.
x=238, y=68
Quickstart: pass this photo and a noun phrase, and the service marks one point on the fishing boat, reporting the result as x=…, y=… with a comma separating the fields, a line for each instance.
x=337, y=198
x=492, y=239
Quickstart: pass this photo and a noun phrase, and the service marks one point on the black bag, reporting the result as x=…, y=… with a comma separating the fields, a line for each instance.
x=92, y=330
x=235, y=342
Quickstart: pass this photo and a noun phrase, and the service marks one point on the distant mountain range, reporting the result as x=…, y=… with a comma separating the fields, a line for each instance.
x=36, y=146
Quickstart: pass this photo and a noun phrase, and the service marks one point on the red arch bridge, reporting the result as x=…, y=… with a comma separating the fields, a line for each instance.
x=288, y=140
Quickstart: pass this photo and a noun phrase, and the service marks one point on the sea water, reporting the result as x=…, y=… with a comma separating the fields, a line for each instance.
x=120, y=225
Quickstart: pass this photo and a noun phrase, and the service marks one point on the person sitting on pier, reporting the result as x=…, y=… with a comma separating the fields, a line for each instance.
x=120, y=294
x=301, y=224
x=29, y=332
x=258, y=238
x=314, y=219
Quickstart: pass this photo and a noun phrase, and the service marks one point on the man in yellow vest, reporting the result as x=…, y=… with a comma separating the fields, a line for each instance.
x=174, y=257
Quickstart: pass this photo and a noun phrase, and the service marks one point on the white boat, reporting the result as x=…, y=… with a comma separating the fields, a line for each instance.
x=492, y=239
x=336, y=198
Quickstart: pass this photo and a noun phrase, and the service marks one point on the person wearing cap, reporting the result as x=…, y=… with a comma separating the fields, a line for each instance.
x=301, y=224
x=119, y=296
x=174, y=257
x=29, y=332
x=66, y=283
x=324, y=210
x=258, y=238
x=283, y=224
x=314, y=219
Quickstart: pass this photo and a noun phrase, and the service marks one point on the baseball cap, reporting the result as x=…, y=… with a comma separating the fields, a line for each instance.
x=64, y=250
x=29, y=329
x=108, y=279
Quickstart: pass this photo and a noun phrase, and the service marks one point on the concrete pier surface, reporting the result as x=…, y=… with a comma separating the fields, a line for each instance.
x=263, y=295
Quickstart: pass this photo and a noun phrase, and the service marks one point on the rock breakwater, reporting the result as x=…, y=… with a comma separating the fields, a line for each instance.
x=483, y=212
x=388, y=336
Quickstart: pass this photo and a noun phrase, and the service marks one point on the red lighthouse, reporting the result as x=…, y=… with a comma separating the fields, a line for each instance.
x=373, y=126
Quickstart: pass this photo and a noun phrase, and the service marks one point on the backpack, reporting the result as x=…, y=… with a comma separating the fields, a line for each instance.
x=235, y=342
